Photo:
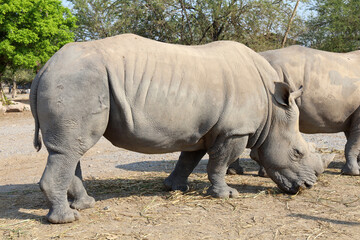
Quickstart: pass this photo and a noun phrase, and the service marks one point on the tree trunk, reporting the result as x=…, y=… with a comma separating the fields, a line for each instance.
x=289, y=24
x=2, y=94
x=13, y=90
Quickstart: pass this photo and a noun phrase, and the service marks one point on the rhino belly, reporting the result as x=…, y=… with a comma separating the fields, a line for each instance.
x=141, y=130
x=153, y=140
x=314, y=121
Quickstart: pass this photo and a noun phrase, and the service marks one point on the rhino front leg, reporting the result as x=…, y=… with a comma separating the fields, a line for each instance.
x=254, y=156
x=235, y=168
x=222, y=154
x=178, y=179
x=262, y=172
x=81, y=200
x=55, y=182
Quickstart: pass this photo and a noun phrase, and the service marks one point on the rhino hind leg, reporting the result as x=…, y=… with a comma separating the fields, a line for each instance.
x=221, y=155
x=80, y=198
x=60, y=180
x=178, y=179
x=62, y=174
x=55, y=182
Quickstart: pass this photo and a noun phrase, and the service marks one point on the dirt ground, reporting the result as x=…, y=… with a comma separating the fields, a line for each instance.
x=132, y=204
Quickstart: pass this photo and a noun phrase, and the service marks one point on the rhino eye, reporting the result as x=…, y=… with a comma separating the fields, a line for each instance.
x=298, y=153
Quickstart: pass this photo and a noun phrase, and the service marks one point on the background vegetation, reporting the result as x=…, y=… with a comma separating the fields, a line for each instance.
x=31, y=31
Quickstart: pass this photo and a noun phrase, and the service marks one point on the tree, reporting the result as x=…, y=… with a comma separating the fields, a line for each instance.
x=289, y=24
x=31, y=31
x=335, y=26
x=95, y=18
x=98, y=19
x=259, y=24
x=21, y=76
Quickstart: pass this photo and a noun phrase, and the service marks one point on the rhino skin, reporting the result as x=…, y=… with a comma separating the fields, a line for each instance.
x=152, y=97
x=331, y=99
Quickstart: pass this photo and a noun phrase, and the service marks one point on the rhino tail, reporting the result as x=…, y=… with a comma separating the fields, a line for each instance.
x=33, y=104
x=37, y=137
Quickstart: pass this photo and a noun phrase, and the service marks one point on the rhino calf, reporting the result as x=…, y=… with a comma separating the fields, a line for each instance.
x=153, y=97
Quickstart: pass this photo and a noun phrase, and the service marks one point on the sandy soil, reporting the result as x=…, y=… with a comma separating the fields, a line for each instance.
x=132, y=204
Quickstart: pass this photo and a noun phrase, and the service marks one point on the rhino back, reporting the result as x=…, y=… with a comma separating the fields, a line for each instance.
x=169, y=97
x=331, y=84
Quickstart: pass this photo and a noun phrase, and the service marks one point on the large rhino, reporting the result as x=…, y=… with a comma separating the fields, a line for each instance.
x=153, y=97
x=331, y=99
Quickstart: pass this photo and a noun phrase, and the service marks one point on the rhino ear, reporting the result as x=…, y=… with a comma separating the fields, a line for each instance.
x=296, y=94
x=282, y=93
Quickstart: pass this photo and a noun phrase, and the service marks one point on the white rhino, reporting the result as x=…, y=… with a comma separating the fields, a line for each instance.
x=152, y=97
x=331, y=99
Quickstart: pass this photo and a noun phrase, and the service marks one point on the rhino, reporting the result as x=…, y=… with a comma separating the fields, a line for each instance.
x=153, y=97
x=331, y=99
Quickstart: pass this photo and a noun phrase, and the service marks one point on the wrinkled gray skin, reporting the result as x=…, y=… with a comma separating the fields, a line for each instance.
x=153, y=97
x=331, y=99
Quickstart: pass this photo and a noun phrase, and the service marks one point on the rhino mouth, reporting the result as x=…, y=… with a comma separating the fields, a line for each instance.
x=293, y=186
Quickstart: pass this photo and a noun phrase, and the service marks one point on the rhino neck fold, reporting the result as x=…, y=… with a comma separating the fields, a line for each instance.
x=258, y=138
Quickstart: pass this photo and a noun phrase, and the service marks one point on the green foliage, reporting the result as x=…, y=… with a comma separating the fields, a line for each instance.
x=31, y=31
x=4, y=100
x=21, y=76
x=95, y=18
x=260, y=24
x=335, y=26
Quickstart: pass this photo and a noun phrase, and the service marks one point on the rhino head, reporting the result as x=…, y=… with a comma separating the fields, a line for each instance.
x=287, y=158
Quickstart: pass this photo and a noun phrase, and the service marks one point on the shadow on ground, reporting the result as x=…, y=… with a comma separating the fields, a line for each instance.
x=21, y=200
x=328, y=220
x=168, y=165
x=336, y=165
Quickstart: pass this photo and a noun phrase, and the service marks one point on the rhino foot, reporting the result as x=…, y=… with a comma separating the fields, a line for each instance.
x=223, y=192
x=262, y=172
x=172, y=184
x=61, y=216
x=235, y=168
x=350, y=170
x=83, y=203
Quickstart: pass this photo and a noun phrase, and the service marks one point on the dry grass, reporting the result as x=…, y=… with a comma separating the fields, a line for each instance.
x=135, y=206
